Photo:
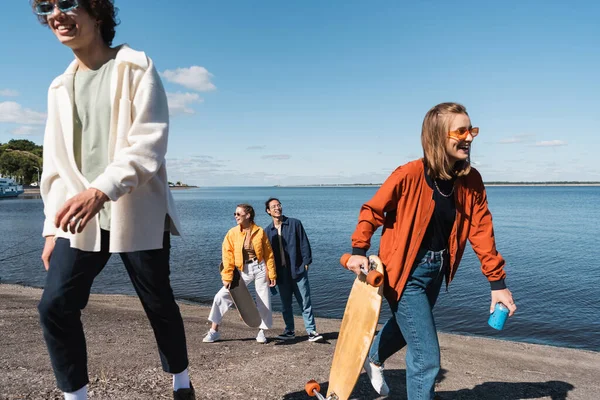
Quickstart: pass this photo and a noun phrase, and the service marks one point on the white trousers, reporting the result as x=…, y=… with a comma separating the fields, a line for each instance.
x=254, y=272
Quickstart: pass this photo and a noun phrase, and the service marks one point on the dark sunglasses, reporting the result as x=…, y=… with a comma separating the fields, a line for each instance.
x=47, y=7
x=236, y=214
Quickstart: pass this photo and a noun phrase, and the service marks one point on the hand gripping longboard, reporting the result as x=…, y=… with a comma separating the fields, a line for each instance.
x=356, y=332
x=243, y=300
x=373, y=276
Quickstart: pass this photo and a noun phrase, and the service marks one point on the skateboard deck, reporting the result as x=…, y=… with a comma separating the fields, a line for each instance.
x=356, y=334
x=243, y=300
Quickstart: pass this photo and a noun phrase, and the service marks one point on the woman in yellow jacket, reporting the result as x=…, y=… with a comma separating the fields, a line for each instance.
x=247, y=248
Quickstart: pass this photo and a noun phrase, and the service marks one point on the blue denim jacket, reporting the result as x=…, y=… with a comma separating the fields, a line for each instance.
x=295, y=245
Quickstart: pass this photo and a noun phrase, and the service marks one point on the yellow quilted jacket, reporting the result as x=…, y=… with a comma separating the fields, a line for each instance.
x=233, y=245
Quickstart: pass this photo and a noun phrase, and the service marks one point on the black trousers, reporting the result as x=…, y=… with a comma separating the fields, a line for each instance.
x=67, y=291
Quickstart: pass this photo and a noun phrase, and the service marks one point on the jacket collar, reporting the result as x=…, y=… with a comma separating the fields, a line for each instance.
x=253, y=228
x=125, y=54
x=284, y=221
x=459, y=181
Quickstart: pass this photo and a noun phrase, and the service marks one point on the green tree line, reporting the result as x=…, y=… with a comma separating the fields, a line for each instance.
x=21, y=159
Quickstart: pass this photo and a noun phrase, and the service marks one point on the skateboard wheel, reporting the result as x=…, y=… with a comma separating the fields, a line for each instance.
x=344, y=260
x=311, y=386
x=375, y=278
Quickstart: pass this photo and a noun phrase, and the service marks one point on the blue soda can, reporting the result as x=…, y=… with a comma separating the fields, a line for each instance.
x=498, y=317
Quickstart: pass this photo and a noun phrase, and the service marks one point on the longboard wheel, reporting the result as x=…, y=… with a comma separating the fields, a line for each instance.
x=375, y=278
x=311, y=386
x=344, y=260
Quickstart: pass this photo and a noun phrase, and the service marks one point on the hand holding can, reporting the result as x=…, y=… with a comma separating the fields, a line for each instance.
x=498, y=317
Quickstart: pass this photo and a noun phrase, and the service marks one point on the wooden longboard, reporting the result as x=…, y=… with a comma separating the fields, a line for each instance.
x=356, y=334
x=243, y=300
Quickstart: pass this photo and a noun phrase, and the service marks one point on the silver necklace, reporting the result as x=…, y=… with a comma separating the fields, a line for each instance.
x=442, y=193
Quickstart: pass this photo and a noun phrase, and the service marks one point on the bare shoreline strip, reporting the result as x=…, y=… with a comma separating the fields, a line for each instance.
x=491, y=184
x=123, y=361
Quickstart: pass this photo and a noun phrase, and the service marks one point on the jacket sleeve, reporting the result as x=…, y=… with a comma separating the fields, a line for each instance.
x=304, y=245
x=372, y=213
x=52, y=187
x=147, y=137
x=269, y=258
x=228, y=259
x=482, y=239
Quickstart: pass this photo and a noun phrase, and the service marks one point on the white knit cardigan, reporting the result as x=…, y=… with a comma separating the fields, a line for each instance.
x=136, y=177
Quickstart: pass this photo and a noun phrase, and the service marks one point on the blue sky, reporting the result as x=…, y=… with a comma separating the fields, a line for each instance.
x=283, y=92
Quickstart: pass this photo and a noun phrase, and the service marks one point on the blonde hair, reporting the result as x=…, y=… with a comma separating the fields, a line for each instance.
x=433, y=139
x=248, y=209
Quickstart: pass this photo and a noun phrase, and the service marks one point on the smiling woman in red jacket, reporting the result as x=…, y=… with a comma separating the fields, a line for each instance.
x=429, y=208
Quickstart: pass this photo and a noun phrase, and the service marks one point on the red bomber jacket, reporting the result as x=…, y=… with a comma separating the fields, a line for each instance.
x=404, y=206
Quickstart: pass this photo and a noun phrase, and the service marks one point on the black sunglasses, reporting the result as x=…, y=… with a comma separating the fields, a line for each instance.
x=47, y=7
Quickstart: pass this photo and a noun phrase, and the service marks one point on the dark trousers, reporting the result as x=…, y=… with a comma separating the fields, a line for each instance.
x=67, y=291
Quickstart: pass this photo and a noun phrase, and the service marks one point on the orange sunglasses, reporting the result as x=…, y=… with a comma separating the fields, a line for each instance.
x=462, y=133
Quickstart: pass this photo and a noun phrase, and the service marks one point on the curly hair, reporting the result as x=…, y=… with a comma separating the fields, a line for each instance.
x=103, y=11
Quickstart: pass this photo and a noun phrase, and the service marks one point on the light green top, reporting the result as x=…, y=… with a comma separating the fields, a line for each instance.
x=91, y=128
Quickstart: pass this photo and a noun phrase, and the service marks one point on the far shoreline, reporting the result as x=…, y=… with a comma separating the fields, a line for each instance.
x=183, y=187
x=36, y=191
x=490, y=184
x=33, y=190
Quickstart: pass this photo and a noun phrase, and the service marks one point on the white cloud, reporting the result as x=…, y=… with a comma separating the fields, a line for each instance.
x=195, y=78
x=510, y=140
x=551, y=143
x=517, y=139
x=276, y=157
x=25, y=130
x=179, y=102
x=196, y=164
x=8, y=93
x=205, y=170
x=15, y=113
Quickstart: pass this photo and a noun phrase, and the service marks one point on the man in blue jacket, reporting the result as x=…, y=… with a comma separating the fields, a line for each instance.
x=292, y=252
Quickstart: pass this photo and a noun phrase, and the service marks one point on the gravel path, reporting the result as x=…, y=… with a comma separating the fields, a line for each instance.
x=124, y=364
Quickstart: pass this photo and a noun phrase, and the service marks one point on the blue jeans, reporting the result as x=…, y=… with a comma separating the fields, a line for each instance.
x=412, y=324
x=300, y=289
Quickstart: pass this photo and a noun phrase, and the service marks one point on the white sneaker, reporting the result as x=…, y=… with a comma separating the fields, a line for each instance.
x=211, y=336
x=314, y=337
x=376, y=376
x=261, y=338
